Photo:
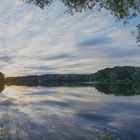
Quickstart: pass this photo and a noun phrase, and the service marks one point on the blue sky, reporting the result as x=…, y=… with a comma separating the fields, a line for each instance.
x=35, y=41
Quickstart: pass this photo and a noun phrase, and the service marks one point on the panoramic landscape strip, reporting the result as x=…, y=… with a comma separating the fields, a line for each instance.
x=118, y=74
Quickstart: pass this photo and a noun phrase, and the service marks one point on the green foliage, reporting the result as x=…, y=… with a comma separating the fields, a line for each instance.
x=121, y=9
x=136, y=75
x=113, y=76
x=119, y=89
x=52, y=79
x=123, y=73
x=117, y=74
x=105, y=135
x=102, y=74
x=1, y=77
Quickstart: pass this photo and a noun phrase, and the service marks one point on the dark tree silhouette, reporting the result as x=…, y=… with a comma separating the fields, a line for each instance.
x=138, y=36
x=1, y=77
x=121, y=9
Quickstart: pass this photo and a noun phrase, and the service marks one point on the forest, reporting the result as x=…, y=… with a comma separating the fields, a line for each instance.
x=110, y=75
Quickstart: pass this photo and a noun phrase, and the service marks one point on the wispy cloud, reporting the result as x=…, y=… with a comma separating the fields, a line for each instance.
x=35, y=41
x=95, y=42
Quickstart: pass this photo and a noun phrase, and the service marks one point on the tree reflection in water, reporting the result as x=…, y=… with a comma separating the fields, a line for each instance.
x=20, y=125
x=118, y=89
x=2, y=85
x=123, y=89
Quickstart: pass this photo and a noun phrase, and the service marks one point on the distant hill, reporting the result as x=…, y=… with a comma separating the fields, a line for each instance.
x=118, y=73
x=115, y=74
x=49, y=79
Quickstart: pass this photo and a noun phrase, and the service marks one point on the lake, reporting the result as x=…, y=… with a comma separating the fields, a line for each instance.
x=46, y=43
x=67, y=113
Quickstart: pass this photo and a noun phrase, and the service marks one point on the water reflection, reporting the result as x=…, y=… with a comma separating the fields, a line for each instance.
x=65, y=113
x=118, y=89
x=1, y=87
x=123, y=89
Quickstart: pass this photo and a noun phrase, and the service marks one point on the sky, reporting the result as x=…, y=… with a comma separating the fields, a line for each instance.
x=35, y=41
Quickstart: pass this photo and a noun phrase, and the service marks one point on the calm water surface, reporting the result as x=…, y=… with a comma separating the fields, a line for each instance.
x=67, y=113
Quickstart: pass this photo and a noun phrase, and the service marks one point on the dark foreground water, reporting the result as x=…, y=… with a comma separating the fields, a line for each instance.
x=67, y=113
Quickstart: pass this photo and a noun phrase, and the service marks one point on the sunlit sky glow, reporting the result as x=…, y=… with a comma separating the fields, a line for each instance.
x=35, y=41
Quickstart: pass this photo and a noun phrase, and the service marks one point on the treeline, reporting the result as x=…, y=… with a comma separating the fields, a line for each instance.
x=116, y=74
x=50, y=78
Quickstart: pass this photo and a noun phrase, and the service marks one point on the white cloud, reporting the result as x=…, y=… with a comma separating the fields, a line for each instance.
x=32, y=38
